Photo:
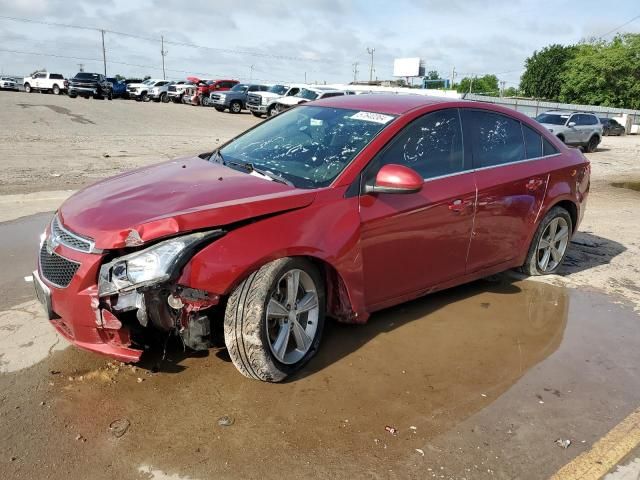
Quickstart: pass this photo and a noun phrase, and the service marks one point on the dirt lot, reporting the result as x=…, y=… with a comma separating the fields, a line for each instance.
x=479, y=380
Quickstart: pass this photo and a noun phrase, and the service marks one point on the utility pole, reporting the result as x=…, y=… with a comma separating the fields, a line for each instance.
x=81, y=67
x=251, y=67
x=104, y=54
x=370, y=51
x=163, y=52
x=453, y=77
x=502, y=84
x=305, y=77
x=355, y=71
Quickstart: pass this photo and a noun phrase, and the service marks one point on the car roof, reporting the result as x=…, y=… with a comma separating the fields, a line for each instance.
x=394, y=104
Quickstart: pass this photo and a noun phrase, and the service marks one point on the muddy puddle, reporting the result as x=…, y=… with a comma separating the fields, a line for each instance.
x=629, y=185
x=424, y=368
x=19, y=241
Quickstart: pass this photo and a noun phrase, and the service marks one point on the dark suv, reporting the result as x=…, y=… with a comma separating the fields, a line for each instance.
x=611, y=127
x=90, y=85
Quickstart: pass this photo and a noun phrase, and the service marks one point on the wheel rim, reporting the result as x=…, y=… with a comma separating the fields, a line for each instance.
x=235, y=107
x=552, y=245
x=292, y=316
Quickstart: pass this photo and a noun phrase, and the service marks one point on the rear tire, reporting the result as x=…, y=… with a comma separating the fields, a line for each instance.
x=262, y=331
x=235, y=107
x=592, y=145
x=164, y=98
x=550, y=243
x=56, y=90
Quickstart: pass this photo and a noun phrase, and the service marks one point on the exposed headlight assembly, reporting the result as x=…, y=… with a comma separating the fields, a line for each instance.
x=153, y=265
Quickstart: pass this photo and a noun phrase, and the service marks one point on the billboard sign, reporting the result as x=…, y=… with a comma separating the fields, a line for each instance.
x=408, y=67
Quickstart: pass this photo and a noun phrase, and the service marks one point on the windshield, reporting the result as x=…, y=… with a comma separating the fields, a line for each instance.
x=85, y=76
x=149, y=82
x=240, y=87
x=309, y=146
x=278, y=89
x=308, y=94
x=552, y=118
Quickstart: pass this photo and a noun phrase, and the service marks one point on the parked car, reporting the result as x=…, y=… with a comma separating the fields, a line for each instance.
x=118, y=87
x=190, y=95
x=261, y=103
x=339, y=207
x=611, y=127
x=307, y=94
x=578, y=129
x=45, y=82
x=235, y=99
x=8, y=83
x=177, y=90
x=87, y=85
x=151, y=89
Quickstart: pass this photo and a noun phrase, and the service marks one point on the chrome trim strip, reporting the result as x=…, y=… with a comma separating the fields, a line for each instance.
x=92, y=244
x=490, y=166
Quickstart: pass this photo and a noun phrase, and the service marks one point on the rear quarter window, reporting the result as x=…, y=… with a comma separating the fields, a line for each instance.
x=532, y=142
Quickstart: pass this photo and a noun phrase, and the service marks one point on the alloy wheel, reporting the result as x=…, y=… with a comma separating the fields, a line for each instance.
x=292, y=316
x=553, y=244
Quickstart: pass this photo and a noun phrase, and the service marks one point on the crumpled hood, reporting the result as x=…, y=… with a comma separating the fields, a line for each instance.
x=174, y=197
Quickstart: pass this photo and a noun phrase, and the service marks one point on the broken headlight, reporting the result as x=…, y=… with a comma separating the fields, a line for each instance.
x=150, y=266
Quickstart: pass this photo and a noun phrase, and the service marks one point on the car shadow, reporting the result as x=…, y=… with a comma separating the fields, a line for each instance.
x=587, y=251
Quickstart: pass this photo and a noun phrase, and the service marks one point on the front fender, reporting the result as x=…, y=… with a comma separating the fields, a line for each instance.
x=327, y=230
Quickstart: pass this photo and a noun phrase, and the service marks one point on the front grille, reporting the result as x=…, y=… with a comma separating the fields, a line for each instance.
x=68, y=239
x=254, y=99
x=215, y=96
x=56, y=269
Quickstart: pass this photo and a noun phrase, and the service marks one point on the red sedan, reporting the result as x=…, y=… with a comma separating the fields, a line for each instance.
x=336, y=208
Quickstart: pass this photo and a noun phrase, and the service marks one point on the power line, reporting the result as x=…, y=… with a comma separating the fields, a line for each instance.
x=620, y=26
x=172, y=42
x=151, y=67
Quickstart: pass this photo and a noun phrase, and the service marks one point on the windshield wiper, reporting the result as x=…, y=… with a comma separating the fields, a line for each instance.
x=250, y=167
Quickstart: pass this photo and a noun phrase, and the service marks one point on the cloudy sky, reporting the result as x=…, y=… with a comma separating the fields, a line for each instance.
x=286, y=40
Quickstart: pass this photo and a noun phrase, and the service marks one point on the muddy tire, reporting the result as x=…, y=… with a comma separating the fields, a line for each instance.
x=268, y=335
x=27, y=88
x=592, y=145
x=235, y=107
x=550, y=243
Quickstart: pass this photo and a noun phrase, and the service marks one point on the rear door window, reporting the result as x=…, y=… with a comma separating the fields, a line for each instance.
x=495, y=138
x=431, y=145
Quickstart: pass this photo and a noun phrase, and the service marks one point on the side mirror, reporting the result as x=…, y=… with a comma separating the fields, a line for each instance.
x=571, y=124
x=393, y=178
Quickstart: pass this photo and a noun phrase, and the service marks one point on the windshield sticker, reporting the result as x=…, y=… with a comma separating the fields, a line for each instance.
x=316, y=122
x=372, y=117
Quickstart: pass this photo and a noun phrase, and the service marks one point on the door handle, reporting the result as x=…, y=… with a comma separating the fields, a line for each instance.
x=458, y=205
x=534, y=183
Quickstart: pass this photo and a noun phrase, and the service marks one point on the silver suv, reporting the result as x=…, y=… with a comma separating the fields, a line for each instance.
x=578, y=129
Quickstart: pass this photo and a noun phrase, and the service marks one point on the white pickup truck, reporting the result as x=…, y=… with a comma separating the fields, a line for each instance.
x=261, y=103
x=45, y=82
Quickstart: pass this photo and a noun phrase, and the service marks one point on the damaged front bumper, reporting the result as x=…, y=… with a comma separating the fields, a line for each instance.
x=113, y=324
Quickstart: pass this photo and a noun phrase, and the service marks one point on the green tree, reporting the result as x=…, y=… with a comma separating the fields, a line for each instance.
x=511, y=92
x=604, y=73
x=544, y=69
x=431, y=76
x=487, y=84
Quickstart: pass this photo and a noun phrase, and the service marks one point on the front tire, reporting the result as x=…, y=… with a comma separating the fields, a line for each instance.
x=164, y=98
x=550, y=243
x=27, y=88
x=274, y=319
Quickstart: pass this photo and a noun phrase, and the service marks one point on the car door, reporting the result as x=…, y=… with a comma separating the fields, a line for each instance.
x=37, y=80
x=412, y=242
x=511, y=182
